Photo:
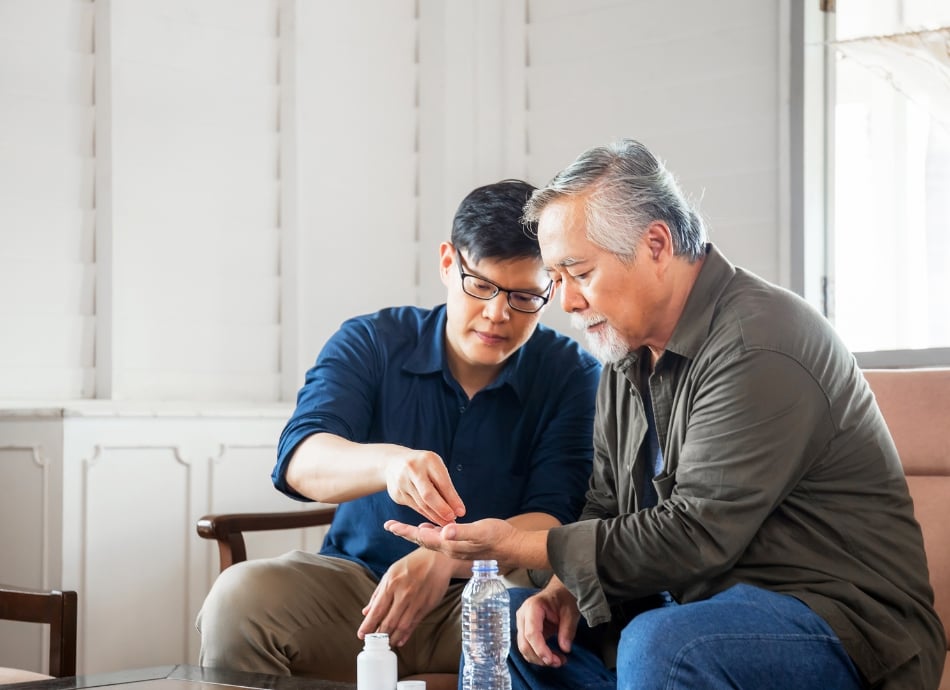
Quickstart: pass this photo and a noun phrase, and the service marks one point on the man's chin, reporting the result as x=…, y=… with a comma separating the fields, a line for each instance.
x=606, y=350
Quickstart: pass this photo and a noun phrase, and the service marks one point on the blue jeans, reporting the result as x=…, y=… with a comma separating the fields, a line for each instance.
x=746, y=638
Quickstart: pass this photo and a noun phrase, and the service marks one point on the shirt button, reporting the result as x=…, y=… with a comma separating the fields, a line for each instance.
x=458, y=468
x=461, y=409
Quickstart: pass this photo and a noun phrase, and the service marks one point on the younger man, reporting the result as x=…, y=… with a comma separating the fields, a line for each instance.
x=466, y=411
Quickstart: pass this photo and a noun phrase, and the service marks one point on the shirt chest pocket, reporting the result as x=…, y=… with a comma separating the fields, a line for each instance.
x=664, y=483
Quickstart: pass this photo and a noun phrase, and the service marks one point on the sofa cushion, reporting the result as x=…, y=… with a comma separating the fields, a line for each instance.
x=916, y=406
x=932, y=509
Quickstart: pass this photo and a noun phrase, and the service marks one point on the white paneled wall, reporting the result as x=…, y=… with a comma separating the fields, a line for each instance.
x=193, y=195
x=696, y=82
x=47, y=224
x=187, y=100
x=356, y=164
x=471, y=113
x=103, y=498
x=30, y=538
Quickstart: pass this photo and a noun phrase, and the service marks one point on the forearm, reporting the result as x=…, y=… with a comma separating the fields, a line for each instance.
x=527, y=522
x=447, y=566
x=528, y=550
x=330, y=469
x=530, y=526
x=533, y=521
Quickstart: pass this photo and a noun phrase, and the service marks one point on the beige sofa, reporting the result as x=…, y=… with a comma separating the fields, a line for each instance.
x=916, y=406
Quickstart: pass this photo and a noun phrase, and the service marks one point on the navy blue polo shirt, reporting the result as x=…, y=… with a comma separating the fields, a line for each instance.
x=522, y=444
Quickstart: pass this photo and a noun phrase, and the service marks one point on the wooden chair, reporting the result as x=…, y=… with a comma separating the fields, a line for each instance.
x=54, y=608
x=228, y=530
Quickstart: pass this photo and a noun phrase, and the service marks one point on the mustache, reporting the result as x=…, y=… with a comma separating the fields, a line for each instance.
x=582, y=323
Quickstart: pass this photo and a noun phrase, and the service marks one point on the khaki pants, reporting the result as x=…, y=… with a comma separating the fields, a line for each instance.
x=298, y=614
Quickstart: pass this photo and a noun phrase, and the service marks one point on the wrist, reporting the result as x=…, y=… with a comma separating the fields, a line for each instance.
x=443, y=565
x=529, y=549
x=453, y=567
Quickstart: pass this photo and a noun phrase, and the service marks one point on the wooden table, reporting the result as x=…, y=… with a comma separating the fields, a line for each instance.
x=184, y=677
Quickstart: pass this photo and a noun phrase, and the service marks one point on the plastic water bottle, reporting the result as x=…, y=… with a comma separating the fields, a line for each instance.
x=376, y=664
x=486, y=630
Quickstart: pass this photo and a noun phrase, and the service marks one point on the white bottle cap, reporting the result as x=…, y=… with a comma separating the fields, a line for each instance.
x=376, y=641
x=411, y=685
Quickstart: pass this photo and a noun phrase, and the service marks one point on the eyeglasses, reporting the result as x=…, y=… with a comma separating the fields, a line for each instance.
x=484, y=289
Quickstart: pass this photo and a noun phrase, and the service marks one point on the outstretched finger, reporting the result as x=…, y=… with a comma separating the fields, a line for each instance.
x=373, y=613
x=411, y=532
x=418, y=502
x=438, y=500
x=448, y=494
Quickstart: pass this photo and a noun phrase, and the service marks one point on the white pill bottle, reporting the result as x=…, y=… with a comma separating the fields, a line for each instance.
x=376, y=664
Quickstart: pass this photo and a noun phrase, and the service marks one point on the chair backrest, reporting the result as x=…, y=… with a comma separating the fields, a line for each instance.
x=916, y=406
x=54, y=608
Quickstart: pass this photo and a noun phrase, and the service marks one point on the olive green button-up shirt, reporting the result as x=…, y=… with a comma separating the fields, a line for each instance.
x=779, y=472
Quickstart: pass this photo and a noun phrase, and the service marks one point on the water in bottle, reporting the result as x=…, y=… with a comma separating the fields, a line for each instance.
x=486, y=630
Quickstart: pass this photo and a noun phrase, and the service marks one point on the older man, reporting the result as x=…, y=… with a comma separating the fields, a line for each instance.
x=747, y=523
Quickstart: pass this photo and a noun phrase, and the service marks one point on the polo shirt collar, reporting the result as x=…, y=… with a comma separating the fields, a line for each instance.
x=429, y=353
x=515, y=372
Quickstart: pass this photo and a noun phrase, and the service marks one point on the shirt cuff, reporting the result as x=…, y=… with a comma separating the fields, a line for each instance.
x=572, y=551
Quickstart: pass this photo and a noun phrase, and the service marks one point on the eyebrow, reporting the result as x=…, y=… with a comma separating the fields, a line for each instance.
x=564, y=263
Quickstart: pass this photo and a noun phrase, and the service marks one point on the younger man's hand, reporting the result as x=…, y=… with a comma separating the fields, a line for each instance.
x=420, y=480
x=407, y=593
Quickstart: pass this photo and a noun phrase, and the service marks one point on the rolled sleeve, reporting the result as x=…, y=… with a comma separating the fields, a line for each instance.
x=337, y=397
x=572, y=551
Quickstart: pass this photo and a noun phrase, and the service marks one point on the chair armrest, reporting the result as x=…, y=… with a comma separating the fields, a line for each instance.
x=228, y=529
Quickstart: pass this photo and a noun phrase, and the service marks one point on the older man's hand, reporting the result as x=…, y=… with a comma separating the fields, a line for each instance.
x=485, y=539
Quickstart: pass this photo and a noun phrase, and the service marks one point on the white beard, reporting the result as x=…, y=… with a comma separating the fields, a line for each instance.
x=605, y=344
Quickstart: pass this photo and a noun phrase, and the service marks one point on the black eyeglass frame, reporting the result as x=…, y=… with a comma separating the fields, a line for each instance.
x=497, y=289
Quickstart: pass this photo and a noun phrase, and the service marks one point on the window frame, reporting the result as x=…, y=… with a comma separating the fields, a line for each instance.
x=810, y=136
